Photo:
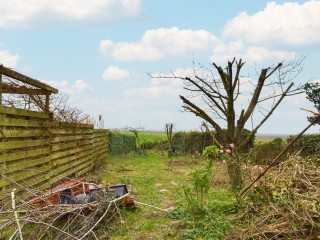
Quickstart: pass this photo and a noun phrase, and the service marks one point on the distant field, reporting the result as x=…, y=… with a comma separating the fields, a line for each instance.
x=269, y=137
x=149, y=136
x=154, y=136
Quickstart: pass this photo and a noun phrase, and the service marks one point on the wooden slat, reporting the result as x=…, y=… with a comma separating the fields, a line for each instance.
x=11, y=122
x=22, y=112
x=23, y=144
x=24, y=174
x=69, y=152
x=23, y=165
x=71, y=158
x=42, y=184
x=22, y=90
x=84, y=170
x=99, y=153
x=64, y=167
x=99, y=134
x=71, y=131
x=71, y=138
x=25, y=133
x=100, y=139
x=99, y=144
x=24, y=154
x=14, y=133
x=41, y=180
x=75, y=125
x=22, y=78
x=69, y=172
x=67, y=145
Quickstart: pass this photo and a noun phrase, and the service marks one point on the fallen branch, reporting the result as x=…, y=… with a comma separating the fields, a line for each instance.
x=16, y=214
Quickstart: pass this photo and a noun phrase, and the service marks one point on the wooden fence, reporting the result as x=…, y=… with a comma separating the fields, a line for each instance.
x=37, y=153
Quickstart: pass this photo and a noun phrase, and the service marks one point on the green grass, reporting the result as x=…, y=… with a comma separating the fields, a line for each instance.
x=148, y=137
x=156, y=180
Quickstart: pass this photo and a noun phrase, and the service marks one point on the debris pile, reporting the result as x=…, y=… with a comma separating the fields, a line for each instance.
x=73, y=210
x=284, y=206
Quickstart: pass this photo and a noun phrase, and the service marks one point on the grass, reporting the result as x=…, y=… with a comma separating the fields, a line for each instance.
x=156, y=180
x=148, y=137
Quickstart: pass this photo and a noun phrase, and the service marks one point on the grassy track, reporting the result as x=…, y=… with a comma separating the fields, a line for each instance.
x=155, y=180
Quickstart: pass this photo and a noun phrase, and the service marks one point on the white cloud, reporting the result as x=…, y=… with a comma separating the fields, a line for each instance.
x=156, y=44
x=69, y=88
x=8, y=60
x=287, y=24
x=115, y=73
x=227, y=51
x=22, y=13
x=162, y=90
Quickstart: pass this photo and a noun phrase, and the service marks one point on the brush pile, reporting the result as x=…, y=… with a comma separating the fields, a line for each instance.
x=73, y=210
x=285, y=204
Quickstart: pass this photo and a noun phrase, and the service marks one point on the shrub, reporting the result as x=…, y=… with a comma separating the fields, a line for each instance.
x=188, y=142
x=263, y=153
x=309, y=144
x=285, y=205
x=120, y=144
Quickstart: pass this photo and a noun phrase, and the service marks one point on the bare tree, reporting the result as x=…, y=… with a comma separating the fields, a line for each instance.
x=214, y=96
x=219, y=95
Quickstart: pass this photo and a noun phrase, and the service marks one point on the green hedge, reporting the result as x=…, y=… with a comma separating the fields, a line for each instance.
x=120, y=144
x=189, y=142
x=309, y=144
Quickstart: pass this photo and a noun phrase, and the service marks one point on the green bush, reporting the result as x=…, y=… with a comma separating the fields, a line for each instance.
x=190, y=142
x=264, y=152
x=153, y=144
x=120, y=144
x=309, y=144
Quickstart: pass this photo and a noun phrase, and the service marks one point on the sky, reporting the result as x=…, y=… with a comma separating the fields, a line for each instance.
x=100, y=52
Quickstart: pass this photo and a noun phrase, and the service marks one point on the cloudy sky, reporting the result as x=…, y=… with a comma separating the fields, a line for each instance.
x=100, y=51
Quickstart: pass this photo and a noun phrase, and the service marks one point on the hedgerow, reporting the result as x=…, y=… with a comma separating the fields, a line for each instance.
x=120, y=143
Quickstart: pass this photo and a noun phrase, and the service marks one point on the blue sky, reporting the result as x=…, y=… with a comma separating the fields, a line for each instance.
x=99, y=52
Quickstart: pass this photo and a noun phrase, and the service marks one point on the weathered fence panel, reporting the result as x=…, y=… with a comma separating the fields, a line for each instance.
x=36, y=152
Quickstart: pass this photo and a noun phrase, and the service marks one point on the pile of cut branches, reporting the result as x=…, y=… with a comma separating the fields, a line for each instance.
x=21, y=219
x=285, y=204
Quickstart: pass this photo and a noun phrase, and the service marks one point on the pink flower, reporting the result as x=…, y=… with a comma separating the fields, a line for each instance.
x=244, y=167
x=197, y=152
x=228, y=151
x=231, y=145
x=221, y=151
x=193, y=156
x=224, y=161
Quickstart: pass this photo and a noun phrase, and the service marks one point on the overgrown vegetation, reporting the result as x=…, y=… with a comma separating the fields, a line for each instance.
x=286, y=205
x=308, y=144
